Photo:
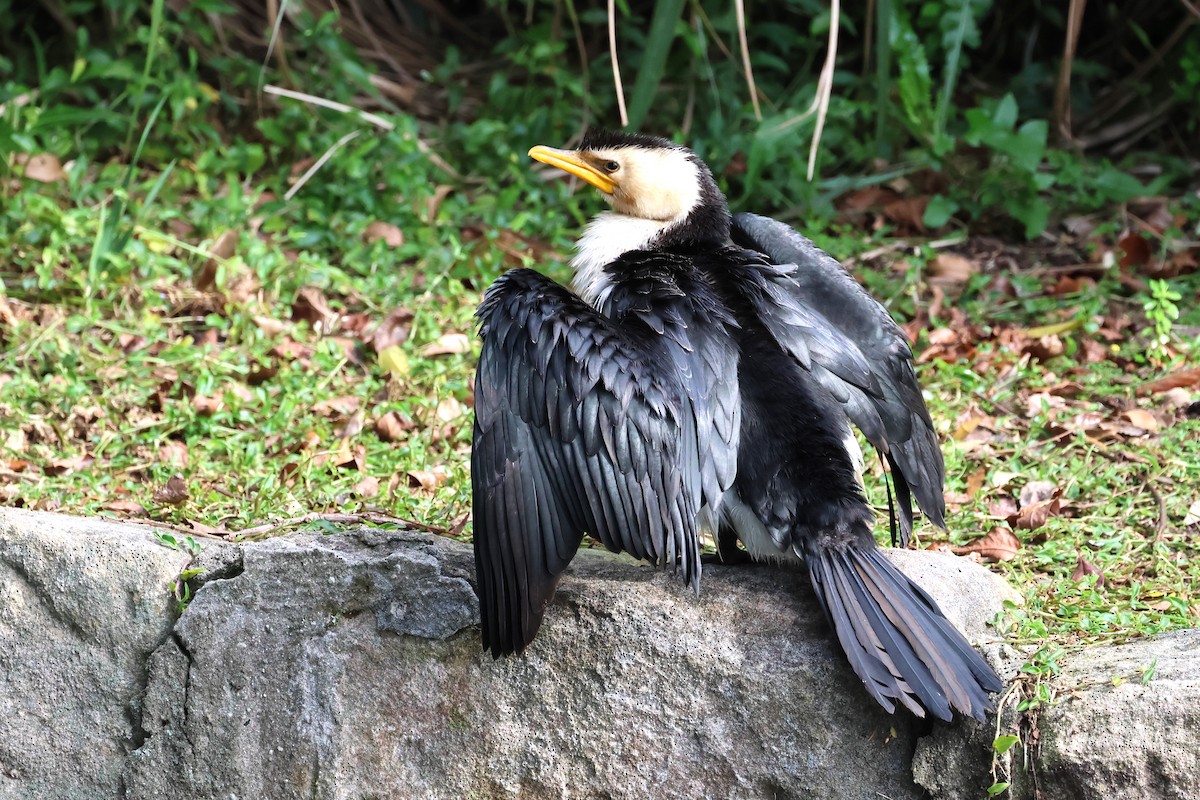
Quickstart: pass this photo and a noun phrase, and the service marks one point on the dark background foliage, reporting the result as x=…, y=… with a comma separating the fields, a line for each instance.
x=985, y=108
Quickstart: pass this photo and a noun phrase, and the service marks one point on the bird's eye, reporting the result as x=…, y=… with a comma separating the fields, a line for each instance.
x=611, y=166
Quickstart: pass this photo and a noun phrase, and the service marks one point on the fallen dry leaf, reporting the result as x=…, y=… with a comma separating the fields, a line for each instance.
x=1003, y=507
x=1072, y=284
x=206, y=406
x=907, y=212
x=447, y=344
x=43, y=167
x=975, y=482
x=385, y=231
x=1176, y=398
x=200, y=527
x=392, y=330
x=1034, y=516
x=66, y=466
x=347, y=456
x=288, y=473
x=999, y=545
x=15, y=440
x=426, y=479
x=1143, y=419
x=864, y=198
x=1083, y=568
x=312, y=307
x=222, y=250
x=1038, y=492
x=129, y=507
x=952, y=268
x=353, y=426
x=393, y=426
x=291, y=350
x=239, y=393
x=342, y=406
x=1193, y=515
x=1135, y=250
x=270, y=326
x=449, y=409
x=367, y=488
x=434, y=202
x=1182, y=263
x=173, y=493
x=173, y=452
x=1183, y=378
x=1094, y=352
x=8, y=317
x=1065, y=389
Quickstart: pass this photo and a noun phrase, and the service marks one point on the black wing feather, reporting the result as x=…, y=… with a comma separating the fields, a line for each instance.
x=841, y=328
x=679, y=304
x=581, y=426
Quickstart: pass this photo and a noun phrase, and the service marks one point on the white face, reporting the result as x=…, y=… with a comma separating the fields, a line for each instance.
x=655, y=184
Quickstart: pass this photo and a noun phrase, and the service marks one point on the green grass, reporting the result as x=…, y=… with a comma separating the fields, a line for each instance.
x=120, y=371
x=130, y=353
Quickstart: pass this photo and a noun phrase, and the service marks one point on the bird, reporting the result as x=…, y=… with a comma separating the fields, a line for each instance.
x=701, y=374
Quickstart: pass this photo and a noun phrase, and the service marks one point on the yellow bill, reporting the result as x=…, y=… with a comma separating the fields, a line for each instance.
x=571, y=162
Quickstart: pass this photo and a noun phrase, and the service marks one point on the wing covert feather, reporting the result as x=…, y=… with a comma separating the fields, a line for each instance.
x=812, y=306
x=581, y=426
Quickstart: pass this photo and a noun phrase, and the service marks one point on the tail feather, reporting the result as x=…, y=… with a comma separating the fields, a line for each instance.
x=897, y=639
x=983, y=672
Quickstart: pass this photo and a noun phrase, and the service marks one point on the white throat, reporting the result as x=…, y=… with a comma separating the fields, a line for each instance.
x=657, y=190
x=605, y=239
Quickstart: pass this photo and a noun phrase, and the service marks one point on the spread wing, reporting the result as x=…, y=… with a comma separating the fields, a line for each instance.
x=664, y=293
x=581, y=426
x=833, y=327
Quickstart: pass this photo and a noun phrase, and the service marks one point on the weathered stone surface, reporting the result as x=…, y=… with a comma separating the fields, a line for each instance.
x=349, y=666
x=83, y=603
x=1116, y=733
x=1131, y=739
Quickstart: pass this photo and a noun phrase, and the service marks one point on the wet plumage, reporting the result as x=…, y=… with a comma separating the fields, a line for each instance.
x=704, y=374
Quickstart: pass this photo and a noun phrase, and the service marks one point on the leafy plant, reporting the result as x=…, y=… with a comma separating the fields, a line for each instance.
x=1161, y=312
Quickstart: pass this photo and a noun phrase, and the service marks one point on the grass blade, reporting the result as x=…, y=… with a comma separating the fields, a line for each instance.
x=654, y=58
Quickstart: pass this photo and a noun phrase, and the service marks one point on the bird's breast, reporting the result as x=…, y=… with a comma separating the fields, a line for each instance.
x=607, y=237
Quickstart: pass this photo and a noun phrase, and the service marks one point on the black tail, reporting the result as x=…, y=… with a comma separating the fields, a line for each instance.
x=897, y=639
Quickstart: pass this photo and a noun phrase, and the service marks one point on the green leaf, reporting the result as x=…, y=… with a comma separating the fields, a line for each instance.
x=959, y=27
x=1004, y=115
x=1004, y=743
x=939, y=211
x=654, y=59
x=1035, y=213
x=1029, y=145
x=997, y=788
x=915, y=83
x=1117, y=185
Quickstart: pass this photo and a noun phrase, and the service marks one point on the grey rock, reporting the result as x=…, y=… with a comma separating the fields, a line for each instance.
x=83, y=603
x=1130, y=723
x=349, y=666
x=1121, y=730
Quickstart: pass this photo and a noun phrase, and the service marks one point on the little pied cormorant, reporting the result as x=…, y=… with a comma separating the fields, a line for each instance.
x=703, y=375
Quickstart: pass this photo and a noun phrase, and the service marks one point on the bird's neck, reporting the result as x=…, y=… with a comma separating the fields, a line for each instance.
x=612, y=234
x=606, y=238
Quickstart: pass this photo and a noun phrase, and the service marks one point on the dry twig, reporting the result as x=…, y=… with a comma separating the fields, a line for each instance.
x=616, y=67
x=740, y=8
